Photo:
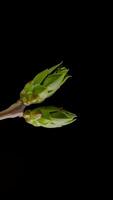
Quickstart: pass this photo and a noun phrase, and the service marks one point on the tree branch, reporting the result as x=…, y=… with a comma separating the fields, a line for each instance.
x=15, y=110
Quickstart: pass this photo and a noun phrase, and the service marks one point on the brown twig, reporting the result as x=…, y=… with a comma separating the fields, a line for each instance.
x=15, y=110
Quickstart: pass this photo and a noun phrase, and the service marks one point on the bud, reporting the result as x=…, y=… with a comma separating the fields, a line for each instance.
x=44, y=85
x=49, y=117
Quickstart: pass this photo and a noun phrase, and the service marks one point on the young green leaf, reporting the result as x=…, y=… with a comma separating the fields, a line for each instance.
x=49, y=117
x=44, y=85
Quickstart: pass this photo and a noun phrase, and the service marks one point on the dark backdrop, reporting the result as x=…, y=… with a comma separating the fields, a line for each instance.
x=37, y=153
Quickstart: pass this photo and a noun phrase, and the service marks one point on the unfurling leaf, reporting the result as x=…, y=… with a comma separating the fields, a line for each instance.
x=49, y=117
x=44, y=85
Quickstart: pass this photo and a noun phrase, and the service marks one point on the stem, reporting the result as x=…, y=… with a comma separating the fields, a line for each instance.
x=15, y=110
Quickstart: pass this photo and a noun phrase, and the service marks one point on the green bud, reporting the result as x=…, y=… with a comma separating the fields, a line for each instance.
x=44, y=85
x=49, y=117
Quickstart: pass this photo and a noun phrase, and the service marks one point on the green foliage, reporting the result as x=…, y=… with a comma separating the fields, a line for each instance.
x=44, y=85
x=49, y=117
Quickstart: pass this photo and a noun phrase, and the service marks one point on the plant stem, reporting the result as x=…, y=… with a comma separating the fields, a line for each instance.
x=15, y=110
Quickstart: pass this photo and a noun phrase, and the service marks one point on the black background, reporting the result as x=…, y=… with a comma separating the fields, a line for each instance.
x=28, y=46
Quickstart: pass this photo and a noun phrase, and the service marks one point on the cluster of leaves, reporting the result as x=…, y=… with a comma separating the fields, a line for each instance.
x=44, y=85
